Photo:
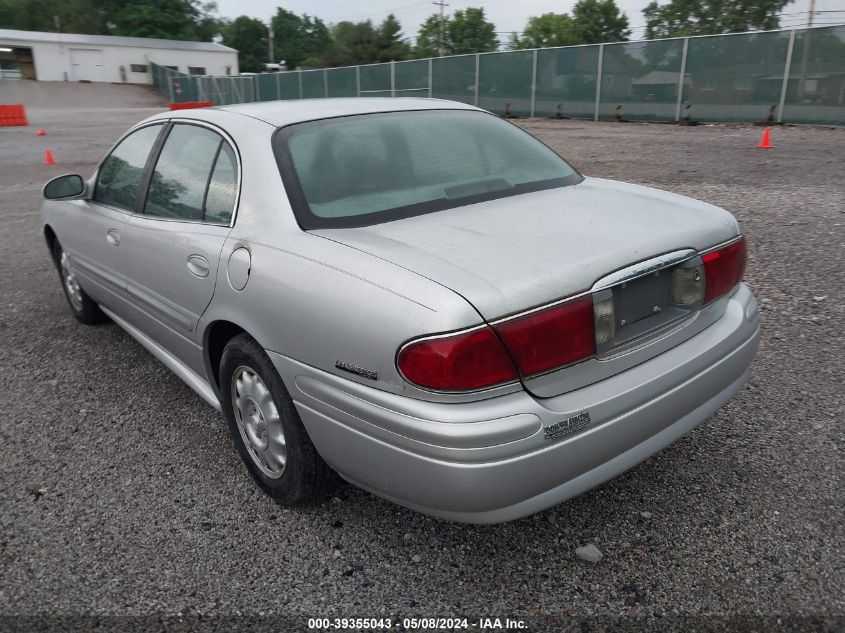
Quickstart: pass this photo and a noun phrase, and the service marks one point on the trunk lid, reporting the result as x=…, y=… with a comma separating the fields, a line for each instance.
x=508, y=255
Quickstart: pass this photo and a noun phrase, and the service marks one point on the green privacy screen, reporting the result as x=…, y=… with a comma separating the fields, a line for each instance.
x=735, y=77
x=815, y=91
x=640, y=80
x=566, y=81
x=793, y=75
x=289, y=85
x=454, y=78
x=342, y=82
x=267, y=87
x=375, y=80
x=313, y=84
x=411, y=78
x=504, y=82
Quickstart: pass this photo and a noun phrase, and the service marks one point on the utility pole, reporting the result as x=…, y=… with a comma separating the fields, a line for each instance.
x=806, y=50
x=272, y=55
x=442, y=5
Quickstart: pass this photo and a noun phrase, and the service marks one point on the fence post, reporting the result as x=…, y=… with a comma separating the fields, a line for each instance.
x=236, y=88
x=325, y=83
x=393, y=78
x=170, y=85
x=477, y=76
x=598, y=82
x=786, y=70
x=681, y=80
x=533, y=83
x=430, y=76
x=358, y=81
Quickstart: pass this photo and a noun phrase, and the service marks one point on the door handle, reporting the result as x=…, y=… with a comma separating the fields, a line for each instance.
x=197, y=265
x=113, y=237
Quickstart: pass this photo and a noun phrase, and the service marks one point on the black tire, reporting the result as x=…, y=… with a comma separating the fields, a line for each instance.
x=85, y=309
x=305, y=476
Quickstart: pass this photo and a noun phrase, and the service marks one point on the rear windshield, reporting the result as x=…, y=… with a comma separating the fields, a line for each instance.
x=363, y=170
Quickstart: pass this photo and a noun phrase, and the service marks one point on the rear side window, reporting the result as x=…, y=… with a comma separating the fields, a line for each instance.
x=120, y=174
x=192, y=167
x=222, y=188
x=366, y=169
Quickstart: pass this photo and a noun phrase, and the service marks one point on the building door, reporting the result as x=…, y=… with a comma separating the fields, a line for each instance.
x=87, y=64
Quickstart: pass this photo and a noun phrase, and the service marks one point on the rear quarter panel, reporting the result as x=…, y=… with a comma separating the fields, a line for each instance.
x=312, y=299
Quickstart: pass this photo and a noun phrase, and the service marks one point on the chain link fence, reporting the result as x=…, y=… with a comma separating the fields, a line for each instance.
x=793, y=75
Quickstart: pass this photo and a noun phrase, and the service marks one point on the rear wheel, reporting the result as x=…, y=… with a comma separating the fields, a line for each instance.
x=266, y=428
x=82, y=306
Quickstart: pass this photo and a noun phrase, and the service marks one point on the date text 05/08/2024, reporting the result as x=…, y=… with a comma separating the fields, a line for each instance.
x=414, y=624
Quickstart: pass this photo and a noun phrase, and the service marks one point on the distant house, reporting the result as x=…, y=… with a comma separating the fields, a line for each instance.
x=72, y=57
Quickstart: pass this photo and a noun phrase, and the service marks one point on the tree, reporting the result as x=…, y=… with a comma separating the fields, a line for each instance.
x=710, y=17
x=75, y=16
x=469, y=32
x=299, y=38
x=390, y=43
x=428, y=37
x=353, y=43
x=249, y=37
x=549, y=29
x=597, y=21
x=168, y=19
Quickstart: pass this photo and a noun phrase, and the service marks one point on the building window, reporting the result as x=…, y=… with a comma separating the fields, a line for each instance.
x=138, y=68
x=196, y=70
x=176, y=68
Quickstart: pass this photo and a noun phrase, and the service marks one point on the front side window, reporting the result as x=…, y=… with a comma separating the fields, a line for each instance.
x=120, y=175
x=194, y=177
x=362, y=170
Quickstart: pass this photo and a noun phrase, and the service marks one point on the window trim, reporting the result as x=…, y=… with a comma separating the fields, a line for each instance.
x=141, y=183
x=156, y=152
x=308, y=221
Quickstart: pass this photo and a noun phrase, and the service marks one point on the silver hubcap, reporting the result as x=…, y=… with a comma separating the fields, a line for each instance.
x=74, y=292
x=259, y=422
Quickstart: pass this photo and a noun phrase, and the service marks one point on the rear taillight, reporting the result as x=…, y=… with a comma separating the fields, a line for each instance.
x=457, y=362
x=723, y=269
x=551, y=337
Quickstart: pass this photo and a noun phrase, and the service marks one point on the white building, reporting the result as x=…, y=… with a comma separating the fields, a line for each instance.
x=69, y=57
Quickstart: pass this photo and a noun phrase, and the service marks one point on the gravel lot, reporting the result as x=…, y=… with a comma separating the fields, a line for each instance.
x=121, y=494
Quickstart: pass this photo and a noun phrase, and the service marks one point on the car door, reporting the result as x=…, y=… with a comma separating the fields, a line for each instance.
x=175, y=240
x=93, y=231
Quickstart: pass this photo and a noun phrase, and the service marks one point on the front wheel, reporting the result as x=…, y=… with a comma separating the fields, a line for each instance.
x=83, y=307
x=266, y=428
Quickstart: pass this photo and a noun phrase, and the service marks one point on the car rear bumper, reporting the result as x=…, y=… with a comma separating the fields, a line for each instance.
x=489, y=461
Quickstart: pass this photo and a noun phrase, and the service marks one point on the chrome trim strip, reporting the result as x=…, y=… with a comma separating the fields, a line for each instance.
x=733, y=240
x=540, y=308
x=226, y=137
x=164, y=121
x=624, y=275
x=643, y=268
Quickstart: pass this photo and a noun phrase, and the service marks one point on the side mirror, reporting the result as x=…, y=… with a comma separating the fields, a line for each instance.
x=67, y=186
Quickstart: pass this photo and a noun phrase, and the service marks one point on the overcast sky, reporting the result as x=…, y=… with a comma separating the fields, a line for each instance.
x=508, y=15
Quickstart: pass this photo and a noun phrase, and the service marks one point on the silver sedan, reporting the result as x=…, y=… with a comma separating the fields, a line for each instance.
x=413, y=294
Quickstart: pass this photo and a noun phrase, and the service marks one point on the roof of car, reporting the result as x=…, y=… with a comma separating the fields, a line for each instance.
x=279, y=113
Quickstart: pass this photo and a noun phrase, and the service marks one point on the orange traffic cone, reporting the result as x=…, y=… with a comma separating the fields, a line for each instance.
x=766, y=140
x=48, y=157
x=41, y=132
